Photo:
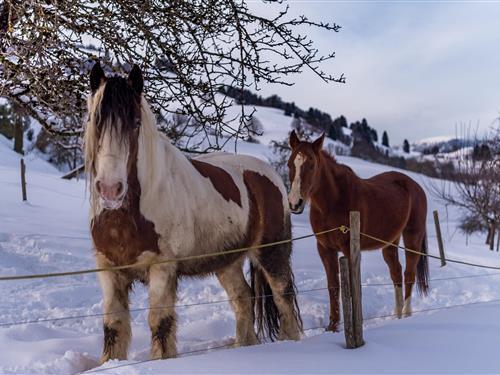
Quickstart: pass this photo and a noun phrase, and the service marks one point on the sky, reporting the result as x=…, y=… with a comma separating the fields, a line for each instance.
x=415, y=69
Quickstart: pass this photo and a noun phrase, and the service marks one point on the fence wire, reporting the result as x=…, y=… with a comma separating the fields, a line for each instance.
x=229, y=345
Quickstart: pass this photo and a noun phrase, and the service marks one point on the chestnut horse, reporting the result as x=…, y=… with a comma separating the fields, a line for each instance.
x=391, y=205
x=150, y=203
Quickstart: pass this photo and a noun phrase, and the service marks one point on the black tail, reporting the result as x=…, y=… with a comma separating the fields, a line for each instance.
x=266, y=312
x=423, y=270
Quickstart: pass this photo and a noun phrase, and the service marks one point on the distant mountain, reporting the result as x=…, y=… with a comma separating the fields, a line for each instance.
x=440, y=145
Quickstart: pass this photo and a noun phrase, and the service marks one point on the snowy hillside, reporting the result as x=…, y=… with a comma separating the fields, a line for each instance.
x=50, y=234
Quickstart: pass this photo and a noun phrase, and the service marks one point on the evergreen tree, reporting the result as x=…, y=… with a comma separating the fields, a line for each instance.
x=341, y=122
x=288, y=109
x=406, y=146
x=385, y=139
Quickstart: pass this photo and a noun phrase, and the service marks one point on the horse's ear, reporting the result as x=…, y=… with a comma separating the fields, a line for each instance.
x=318, y=144
x=96, y=77
x=135, y=79
x=294, y=140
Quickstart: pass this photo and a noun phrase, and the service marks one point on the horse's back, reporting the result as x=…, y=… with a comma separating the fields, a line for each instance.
x=396, y=179
x=399, y=186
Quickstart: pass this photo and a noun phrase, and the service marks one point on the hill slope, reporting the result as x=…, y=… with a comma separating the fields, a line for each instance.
x=50, y=234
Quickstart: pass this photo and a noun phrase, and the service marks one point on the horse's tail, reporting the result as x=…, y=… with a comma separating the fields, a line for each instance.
x=266, y=311
x=423, y=270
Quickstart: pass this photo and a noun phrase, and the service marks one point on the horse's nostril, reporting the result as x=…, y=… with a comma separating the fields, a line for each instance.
x=98, y=186
x=119, y=188
x=300, y=202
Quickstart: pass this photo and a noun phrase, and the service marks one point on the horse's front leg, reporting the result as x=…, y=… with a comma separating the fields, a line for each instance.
x=329, y=257
x=162, y=318
x=115, y=286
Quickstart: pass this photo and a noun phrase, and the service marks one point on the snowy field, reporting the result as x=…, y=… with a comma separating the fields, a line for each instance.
x=50, y=234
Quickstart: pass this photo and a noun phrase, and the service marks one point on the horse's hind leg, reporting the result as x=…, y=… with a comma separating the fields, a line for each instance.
x=275, y=264
x=240, y=294
x=162, y=318
x=391, y=257
x=115, y=288
x=412, y=241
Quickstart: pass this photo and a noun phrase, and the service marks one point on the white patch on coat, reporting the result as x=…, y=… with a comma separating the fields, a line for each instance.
x=295, y=194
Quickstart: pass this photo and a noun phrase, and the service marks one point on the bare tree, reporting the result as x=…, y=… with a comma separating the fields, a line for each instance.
x=475, y=188
x=188, y=50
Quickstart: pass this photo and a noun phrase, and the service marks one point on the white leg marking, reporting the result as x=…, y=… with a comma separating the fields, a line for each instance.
x=407, y=310
x=398, y=294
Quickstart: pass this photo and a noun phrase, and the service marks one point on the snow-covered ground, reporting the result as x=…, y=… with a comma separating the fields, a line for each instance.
x=50, y=234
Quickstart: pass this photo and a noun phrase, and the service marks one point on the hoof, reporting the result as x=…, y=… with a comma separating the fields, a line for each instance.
x=407, y=314
x=333, y=327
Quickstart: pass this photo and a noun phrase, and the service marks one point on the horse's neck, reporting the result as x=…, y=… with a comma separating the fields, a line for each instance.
x=164, y=173
x=332, y=182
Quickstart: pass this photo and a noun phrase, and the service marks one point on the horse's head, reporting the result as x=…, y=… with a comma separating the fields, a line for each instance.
x=111, y=135
x=303, y=166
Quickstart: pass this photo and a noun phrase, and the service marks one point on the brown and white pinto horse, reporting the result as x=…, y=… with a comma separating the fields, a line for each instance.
x=391, y=205
x=150, y=203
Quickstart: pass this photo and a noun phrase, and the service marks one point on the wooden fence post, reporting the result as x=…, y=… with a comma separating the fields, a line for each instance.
x=355, y=277
x=23, y=179
x=346, y=303
x=439, y=239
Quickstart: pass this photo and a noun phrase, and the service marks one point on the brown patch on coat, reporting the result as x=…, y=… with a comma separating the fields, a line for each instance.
x=266, y=222
x=122, y=235
x=221, y=180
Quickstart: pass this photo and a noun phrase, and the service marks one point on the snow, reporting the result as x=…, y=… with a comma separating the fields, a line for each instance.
x=433, y=140
x=409, y=345
x=49, y=233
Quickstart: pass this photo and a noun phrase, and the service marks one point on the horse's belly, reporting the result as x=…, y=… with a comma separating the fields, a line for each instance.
x=206, y=265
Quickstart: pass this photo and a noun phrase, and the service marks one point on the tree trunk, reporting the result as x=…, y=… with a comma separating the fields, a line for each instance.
x=492, y=237
x=488, y=236
x=18, y=135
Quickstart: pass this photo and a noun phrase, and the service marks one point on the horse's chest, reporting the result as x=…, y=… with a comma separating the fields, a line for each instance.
x=122, y=237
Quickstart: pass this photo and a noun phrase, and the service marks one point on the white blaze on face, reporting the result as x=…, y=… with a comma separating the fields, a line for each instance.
x=295, y=196
x=111, y=168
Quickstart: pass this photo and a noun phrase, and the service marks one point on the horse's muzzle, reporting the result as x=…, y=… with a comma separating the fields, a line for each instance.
x=111, y=196
x=297, y=208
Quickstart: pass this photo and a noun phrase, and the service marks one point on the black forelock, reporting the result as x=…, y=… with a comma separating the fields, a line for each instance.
x=120, y=102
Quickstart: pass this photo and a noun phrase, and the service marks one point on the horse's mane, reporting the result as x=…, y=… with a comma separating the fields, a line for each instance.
x=332, y=163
